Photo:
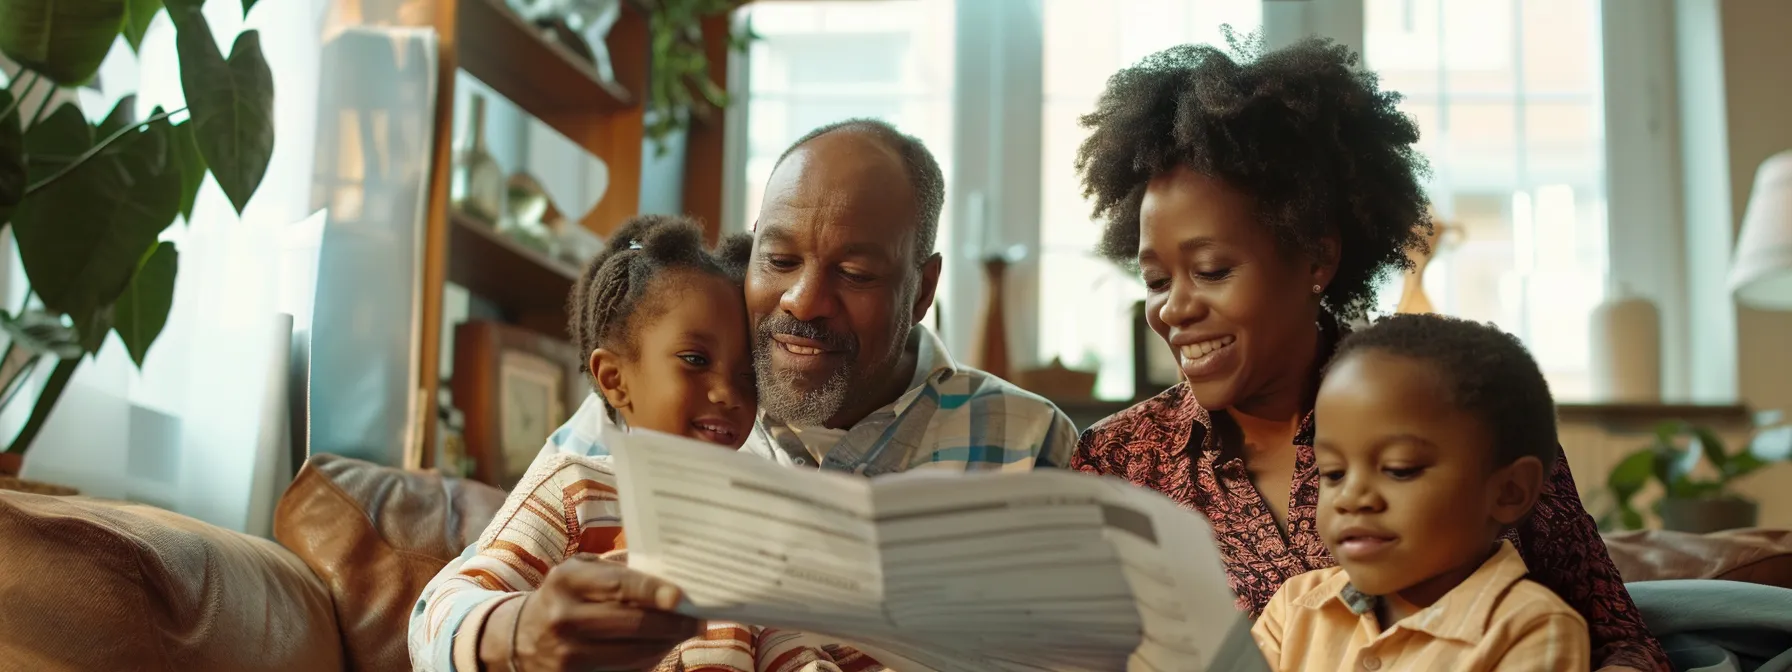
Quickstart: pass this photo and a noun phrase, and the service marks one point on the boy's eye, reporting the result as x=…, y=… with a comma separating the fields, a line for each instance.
x=1331, y=475
x=1214, y=276
x=1403, y=473
x=782, y=263
x=1156, y=283
x=694, y=359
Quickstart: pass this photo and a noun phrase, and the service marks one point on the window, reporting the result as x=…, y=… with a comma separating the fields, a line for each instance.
x=1508, y=95
x=821, y=62
x=1087, y=321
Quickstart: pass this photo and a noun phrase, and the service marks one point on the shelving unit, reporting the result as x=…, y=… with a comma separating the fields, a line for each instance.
x=550, y=82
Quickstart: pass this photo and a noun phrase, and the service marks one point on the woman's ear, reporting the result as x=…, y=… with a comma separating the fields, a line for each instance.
x=606, y=371
x=1515, y=489
x=1325, y=263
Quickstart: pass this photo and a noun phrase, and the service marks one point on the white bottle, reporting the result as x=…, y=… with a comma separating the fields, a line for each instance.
x=1625, y=353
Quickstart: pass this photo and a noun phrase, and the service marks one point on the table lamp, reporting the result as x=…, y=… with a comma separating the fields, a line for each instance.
x=1761, y=274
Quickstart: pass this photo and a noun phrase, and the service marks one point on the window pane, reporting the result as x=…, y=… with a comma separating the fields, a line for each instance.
x=824, y=61
x=1087, y=41
x=1510, y=115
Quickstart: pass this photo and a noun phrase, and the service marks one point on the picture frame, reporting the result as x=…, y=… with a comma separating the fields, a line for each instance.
x=514, y=387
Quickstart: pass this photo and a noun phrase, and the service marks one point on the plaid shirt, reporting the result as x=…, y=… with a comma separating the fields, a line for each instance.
x=955, y=418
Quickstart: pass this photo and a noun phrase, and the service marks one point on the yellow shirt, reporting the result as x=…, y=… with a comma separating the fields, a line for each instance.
x=1495, y=620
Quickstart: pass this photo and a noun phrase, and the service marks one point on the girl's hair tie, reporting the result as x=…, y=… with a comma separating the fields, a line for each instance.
x=634, y=244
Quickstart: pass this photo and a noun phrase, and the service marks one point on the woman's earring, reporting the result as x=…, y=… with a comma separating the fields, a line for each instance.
x=1317, y=289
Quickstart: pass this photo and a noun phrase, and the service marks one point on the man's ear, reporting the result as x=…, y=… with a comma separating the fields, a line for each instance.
x=1516, y=488
x=930, y=281
x=606, y=371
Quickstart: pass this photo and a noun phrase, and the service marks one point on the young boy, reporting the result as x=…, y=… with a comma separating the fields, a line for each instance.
x=1433, y=435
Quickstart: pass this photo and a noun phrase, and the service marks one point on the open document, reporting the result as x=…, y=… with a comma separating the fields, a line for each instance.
x=1047, y=570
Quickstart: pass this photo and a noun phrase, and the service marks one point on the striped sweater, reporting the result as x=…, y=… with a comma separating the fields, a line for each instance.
x=566, y=506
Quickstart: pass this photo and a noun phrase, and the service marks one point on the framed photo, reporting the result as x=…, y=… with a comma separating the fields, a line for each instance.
x=514, y=387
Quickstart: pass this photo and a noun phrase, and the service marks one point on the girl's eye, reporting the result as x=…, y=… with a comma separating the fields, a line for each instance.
x=1332, y=476
x=781, y=263
x=1156, y=283
x=694, y=359
x=1403, y=473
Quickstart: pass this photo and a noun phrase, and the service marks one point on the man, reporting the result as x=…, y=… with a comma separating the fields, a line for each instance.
x=840, y=274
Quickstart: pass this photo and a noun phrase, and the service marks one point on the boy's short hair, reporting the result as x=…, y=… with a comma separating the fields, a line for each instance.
x=1488, y=372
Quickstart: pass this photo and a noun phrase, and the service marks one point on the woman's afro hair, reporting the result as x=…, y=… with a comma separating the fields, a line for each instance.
x=1303, y=131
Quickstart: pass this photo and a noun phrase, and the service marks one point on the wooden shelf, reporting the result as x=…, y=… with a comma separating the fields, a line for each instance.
x=544, y=78
x=494, y=267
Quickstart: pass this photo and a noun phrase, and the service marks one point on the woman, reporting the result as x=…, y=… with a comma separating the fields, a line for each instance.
x=1261, y=201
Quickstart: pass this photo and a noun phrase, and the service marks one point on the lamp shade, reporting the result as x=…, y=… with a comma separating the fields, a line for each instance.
x=1761, y=275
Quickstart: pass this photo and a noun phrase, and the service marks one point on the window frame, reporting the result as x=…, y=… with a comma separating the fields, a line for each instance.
x=998, y=103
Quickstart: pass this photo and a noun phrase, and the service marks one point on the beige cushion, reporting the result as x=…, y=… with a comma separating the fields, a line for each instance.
x=93, y=584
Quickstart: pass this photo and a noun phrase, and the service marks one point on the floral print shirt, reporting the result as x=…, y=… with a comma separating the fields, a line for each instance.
x=1168, y=444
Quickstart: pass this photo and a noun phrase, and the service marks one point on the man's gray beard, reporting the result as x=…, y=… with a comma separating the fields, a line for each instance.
x=782, y=394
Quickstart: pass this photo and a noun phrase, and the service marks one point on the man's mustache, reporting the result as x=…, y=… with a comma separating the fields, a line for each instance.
x=784, y=323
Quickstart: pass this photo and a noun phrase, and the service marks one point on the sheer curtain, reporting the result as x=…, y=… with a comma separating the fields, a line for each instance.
x=183, y=433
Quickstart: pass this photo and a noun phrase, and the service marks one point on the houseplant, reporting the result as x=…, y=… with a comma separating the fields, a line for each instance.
x=1695, y=472
x=678, y=81
x=87, y=202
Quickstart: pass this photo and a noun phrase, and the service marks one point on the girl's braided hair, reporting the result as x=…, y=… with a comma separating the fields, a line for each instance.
x=609, y=298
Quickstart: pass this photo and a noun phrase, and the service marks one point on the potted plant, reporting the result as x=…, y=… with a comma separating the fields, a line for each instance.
x=679, y=89
x=1695, y=471
x=87, y=202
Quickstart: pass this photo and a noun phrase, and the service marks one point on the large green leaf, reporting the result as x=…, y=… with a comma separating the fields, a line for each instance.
x=64, y=39
x=55, y=141
x=232, y=104
x=248, y=5
x=81, y=236
x=139, y=15
x=12, y=160
x=123, y=114
x=184, y=151
x=142, y=311
x=1629, y=476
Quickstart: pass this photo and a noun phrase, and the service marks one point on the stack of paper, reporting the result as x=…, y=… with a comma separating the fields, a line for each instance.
x=1047, y=570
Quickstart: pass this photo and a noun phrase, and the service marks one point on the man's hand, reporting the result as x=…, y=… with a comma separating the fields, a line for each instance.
x=587, y=615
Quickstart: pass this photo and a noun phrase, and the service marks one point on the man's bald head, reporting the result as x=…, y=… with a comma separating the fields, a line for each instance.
x=926, y=182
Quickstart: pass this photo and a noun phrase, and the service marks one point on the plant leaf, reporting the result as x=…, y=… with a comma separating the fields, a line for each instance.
x=139, y=14
x=248, y=5
x=1629, y=476
x=1712, y=446
x=232, y=104
x=123, y=114
x=64, y=40
x=184, y=151
x=12, y=160
x=1773, y=444
x=142, y=310
x=55, y=141
x=82, y=236
x=42, y=332
x=93, y=330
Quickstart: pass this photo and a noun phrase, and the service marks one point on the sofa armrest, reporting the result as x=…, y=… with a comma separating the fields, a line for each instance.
x=376, y=536
x=1757, y=555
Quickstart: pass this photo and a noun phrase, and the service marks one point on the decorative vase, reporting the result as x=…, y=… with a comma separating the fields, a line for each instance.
x=478, y=183
x=992, y=329
x=1625, y=349
x=1412, y=294
x=1703, y=516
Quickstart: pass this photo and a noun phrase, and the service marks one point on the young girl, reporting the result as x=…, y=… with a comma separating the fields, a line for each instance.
x=663, y=325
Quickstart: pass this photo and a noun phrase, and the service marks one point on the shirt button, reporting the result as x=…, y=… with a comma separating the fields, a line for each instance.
x=1371, y=663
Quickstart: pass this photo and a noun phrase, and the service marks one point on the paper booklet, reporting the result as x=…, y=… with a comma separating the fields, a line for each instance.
x=954, y=572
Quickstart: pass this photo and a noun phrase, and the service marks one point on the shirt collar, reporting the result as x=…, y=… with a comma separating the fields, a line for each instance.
x=1461, y=615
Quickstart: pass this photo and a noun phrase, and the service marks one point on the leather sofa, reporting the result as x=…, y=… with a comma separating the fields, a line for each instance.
x=89, y=584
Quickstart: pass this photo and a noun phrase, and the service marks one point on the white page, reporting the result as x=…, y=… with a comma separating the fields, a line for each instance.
x=1046, y=570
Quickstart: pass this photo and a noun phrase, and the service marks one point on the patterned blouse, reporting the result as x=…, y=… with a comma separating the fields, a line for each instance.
x=1168, y=444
